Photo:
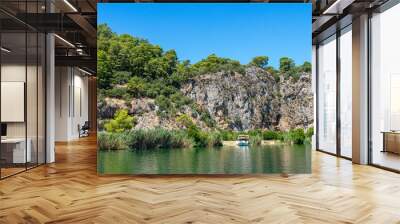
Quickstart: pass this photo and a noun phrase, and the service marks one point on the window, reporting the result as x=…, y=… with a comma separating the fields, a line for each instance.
x=22, y=88
x=327, y=95
x=385, y=88
x=346, y=92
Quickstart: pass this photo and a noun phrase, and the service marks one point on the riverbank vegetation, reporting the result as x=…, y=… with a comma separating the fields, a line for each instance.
x=144, y=139
x=120, y=135
x=295, y=136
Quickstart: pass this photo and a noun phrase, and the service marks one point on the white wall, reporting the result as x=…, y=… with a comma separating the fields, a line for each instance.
x=62, y=82
x=10, y=73
x=33, y=125
x=71, y=102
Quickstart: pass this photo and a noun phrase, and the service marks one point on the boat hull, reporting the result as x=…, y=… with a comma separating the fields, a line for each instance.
x=242, y=143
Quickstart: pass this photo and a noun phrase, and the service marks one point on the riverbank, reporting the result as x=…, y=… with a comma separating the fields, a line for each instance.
x=263, y=142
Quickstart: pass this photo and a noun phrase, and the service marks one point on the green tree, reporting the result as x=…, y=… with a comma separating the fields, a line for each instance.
x=104, y=75
x=137, y=86
x=171, y=60
x=143, y=57
x=213, y=63
x=286, y=65
x=156, y=68
x=104, y=32
x=122, y=122
x=260, y=61
x=120, y=77
x=305, y=67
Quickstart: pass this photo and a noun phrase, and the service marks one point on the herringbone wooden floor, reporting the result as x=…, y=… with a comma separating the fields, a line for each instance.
x=70, y=191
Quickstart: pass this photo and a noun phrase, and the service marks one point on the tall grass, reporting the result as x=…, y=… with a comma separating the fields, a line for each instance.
x=158, y=138
x=112, y=141
x=228, y=135
x=144, y=139
x=214, y=139
x=255, y=139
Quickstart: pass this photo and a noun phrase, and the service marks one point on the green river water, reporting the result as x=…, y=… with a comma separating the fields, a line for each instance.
x=279, y=158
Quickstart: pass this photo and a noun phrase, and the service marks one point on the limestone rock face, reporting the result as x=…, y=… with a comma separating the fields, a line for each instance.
x=296, y=103
x=255, y=99
x=107, y=107
x=236, y=101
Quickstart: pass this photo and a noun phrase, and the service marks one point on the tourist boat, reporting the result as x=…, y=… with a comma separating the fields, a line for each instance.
x=243, y=140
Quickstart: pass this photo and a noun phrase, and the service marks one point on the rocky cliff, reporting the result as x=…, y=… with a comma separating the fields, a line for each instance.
x=255, y=99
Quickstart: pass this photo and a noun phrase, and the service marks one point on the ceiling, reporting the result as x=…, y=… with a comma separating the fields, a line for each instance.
x=332, y=15
x=73, y=21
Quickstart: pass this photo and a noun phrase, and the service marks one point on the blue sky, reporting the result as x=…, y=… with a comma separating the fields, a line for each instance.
x=237, y=31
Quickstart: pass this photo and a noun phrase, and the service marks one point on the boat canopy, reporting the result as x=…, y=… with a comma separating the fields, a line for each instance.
x=243, y=137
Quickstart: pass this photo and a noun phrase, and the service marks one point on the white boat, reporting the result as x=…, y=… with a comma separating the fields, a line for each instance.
x=243, y=140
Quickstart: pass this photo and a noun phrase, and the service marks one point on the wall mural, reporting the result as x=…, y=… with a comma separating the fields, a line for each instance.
x=204, y=88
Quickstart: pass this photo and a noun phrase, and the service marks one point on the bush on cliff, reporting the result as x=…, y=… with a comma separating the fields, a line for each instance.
x=122, y=122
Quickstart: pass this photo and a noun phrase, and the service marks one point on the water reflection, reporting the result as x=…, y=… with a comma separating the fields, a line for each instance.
x=223, y=160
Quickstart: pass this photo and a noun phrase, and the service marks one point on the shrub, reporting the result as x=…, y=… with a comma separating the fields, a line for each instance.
x=163, y=103
x=117, y=92
x=122, y=121
x=286, y=65
x=260, y=61
x=179, y=100
x=214, y=139
x=297, y=136
x=137, y=86
x=111, y=141
x=306, y=67
x=185, y=120
x=277, y=77
x=270, y=135
x=295, y=76
x=228, y=135
x=194, y=132
x=205, y=116
x=310, y=132
x=120, y=77
x=255, y=140
x=207, y=119
x=200, y=138
x=280, y=135
x=254, y=132
x=180, y=139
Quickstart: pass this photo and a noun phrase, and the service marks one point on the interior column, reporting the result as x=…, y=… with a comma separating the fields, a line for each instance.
x=360, y=90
